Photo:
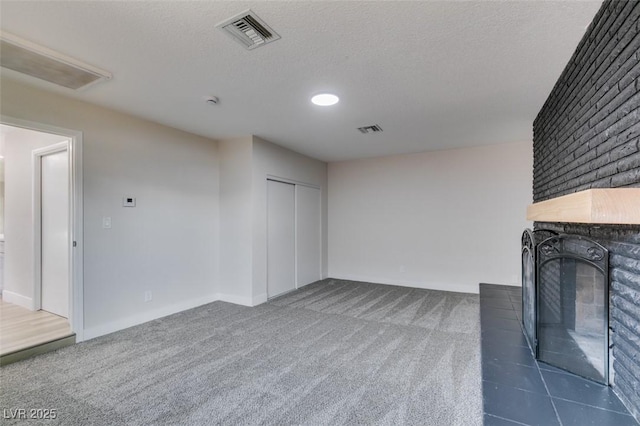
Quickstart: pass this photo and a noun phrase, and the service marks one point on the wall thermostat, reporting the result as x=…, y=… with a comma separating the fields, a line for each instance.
x=128, y=201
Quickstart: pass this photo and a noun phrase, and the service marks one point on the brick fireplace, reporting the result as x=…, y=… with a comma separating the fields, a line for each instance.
x=587, y=136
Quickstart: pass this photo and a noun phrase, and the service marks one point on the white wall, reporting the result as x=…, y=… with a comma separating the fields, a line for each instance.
x=236, y=230
x=442, y=220
x=270, y=160
x=2, y=205
x=19, y=256
x=169, y=243
x=245, y=165
x=1, y=191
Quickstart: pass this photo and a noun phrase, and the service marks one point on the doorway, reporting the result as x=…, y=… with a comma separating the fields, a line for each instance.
x=49, y=237
x=293, y=236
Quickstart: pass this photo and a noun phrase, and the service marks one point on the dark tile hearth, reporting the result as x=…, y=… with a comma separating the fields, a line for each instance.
x=519, y=390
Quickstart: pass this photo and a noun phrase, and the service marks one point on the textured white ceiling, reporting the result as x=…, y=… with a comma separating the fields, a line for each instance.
x=433, y=75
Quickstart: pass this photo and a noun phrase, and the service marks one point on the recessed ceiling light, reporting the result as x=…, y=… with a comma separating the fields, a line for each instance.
x=325, y=99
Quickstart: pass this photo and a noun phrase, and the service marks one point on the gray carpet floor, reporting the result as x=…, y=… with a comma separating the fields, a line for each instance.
x=333, y=352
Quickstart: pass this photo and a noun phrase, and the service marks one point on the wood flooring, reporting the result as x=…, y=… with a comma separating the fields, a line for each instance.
x=22, y=329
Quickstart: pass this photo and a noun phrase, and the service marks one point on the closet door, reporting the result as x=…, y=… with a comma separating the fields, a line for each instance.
x=308, y=230
x=281, y=238
x=54, y=204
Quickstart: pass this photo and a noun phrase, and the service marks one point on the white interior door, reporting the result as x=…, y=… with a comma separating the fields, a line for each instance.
x=308, y=231
x=54, y=202
x=281, y=244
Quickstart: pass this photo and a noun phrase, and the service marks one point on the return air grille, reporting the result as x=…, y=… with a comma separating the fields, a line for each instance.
x=370, y=129
x=40, y=62
x=249, y=30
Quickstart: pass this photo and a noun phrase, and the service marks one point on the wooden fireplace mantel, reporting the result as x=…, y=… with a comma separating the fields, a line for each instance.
x=604, y=206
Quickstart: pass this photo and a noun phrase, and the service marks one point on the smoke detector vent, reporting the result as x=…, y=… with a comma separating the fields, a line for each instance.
x=370, y=129
x=40, y=62
x=249, y=30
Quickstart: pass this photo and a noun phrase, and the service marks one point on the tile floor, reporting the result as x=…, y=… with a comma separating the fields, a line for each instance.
x=518, y=390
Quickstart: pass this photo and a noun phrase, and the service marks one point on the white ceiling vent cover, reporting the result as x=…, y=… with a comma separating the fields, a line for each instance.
x=370, y=129
x=37, y=61
x=249, y=30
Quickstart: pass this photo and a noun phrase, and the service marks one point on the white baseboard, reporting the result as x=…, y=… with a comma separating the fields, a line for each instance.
x=235, y=299
x=17, y=299
x=456, y=288
x=121, y=324
x=260, y=299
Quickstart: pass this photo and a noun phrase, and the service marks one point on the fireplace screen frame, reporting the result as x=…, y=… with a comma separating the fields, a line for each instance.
x=578, y=249
x=530, y=239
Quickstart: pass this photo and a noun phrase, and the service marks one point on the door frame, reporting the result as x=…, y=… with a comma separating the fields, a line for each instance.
x=36, y=170
x=76, y=290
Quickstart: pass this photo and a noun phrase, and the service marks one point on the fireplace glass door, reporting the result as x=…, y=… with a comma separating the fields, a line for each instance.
x=572, y=306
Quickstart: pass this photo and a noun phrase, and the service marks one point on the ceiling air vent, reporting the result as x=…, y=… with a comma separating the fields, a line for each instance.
x=249, y=30
x=370, y=129
x=37, y=61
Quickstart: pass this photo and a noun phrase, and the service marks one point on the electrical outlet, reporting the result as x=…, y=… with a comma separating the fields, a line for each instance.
x=106, y=222
x=148, y=296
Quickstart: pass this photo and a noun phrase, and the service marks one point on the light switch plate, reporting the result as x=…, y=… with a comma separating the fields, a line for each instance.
x=129, y=201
